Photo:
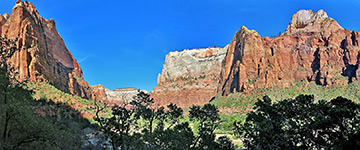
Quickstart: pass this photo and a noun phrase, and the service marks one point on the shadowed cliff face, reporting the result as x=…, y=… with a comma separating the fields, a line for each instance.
x=43, y=54
x=314, y=48
x=189, y=77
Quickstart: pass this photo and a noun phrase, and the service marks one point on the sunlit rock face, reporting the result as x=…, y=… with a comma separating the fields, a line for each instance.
x=314, y=48
x=307, y=21
x=117, y=96
x=121, y=94
x=189, y=77
x=42, y=54
x=3, y=19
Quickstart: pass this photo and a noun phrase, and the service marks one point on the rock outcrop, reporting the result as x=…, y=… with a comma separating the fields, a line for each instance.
x=103, y=94
x=3, y=19
x=42, y=53
x=314, y=48
x=189, y=77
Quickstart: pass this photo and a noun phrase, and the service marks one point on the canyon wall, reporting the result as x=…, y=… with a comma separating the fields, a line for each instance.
x=189, y=77
x=314, y=48
x=42, y=54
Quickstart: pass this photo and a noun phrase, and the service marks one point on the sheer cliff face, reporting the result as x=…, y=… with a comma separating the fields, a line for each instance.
x=189, y=77
x=43, y=54
x=314, y=48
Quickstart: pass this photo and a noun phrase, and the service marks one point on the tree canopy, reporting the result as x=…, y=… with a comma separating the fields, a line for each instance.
x=302, y=123
x=141, y=124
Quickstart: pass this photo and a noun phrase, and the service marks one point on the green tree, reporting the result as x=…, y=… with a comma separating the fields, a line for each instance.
x=117, y=127
x=150, y=126
x=161, y=129
x=301, y=123
x=140, y=124
x=207, y=119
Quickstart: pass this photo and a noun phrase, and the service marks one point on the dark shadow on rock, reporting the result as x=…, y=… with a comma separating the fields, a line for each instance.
x=315, y=66
x=350, y=72
x=211, y=99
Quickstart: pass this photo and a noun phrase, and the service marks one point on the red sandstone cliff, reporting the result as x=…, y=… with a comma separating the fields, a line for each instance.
x=314, y=48
x=43, y=54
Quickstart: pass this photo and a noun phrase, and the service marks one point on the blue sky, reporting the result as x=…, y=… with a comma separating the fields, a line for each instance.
x=123, y=43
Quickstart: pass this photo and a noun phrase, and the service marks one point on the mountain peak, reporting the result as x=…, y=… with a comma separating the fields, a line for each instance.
x=246, y=30
x=42, y=52
x=307, y=16
x=310, y=21
x=30, y=7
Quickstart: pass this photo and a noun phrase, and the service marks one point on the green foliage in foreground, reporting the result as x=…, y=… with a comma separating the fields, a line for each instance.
x=302, y=123
x=240, y=103
x=140, y=124
x=227, y=123
x=21, y=127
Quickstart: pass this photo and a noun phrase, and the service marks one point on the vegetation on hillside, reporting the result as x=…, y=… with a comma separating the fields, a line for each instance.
x=22, y=127
x=45, y=91
x=244, y=102
x=236, y=105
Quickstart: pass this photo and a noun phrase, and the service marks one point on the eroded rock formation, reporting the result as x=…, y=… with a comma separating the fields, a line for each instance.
x=314, y=48
x=103, y=94
x=3, y=19
x=189, y=77
x=43, y=54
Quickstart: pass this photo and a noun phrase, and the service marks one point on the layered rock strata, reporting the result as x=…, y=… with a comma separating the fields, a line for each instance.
x=42, y=53
x=189, y=77
x=103, y=94
x=314, y=48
